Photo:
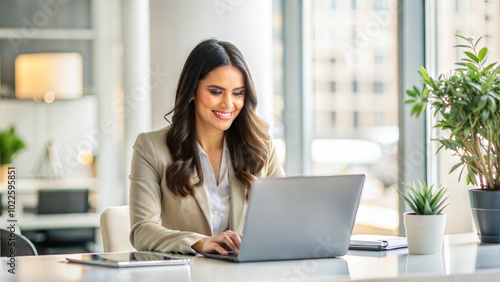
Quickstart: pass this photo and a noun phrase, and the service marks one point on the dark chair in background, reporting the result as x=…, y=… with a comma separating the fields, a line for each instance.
x=53, y=201
x=67, y=240
x=23, y=245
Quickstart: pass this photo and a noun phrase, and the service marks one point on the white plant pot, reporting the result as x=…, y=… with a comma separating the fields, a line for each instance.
x=424, y=233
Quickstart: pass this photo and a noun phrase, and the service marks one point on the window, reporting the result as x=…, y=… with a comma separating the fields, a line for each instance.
x=345, y=65
x=333, y=4
x=379, y=58
x=378, y=5
x=366, y=48
x=333, y=119
x=378, y=118
x=354, y=33
x=333, y=86
x=378, y=87
x=459, y=5
x=353, y=76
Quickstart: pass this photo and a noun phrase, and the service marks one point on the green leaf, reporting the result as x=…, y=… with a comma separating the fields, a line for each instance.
x=477, y=41
x=463, y=37
x=482, y=54
x=482, y=103
x=472, y=67
x=467, y=60
x=470, y=178
x=462, y=46
x=10, y=145
x=425, y=93
x=424, y=73
x=485, y=115
x=424, y=199
x=455, y=167
x=488, y=67
x=418, y=109
x=492, y=104
x=472, y=56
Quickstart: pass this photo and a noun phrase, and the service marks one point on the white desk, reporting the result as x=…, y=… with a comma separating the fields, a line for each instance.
x=462, y=259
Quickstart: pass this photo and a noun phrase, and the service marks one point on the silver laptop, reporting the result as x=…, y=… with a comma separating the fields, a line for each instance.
x=298, y=218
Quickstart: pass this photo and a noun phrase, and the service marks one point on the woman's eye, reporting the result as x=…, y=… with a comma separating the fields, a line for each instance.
x=239, y=93
x=215, y=91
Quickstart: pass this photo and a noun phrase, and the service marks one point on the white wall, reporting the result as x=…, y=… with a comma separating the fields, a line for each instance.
x=177, y=26
x=40, y=123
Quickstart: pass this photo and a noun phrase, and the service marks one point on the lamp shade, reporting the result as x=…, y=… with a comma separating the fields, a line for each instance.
x=49, y=76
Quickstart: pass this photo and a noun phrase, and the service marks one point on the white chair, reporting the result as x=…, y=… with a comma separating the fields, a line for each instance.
x=115, y=229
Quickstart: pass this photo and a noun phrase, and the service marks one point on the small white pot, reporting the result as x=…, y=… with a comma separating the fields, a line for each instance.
x=424, y=233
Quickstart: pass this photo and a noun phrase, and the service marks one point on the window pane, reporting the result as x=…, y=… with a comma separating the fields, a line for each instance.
x=470, y=18
x=356, y=129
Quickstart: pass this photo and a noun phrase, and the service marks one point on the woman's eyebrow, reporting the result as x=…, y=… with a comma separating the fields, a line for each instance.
x=222, y=88
x=216, y=86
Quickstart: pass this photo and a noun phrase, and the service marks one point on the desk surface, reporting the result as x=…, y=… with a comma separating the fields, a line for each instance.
x=463, y=258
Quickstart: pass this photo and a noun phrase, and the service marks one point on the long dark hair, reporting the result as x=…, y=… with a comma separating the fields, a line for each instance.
x=246, y=138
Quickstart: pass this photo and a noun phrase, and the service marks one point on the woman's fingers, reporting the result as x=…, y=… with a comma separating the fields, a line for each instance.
x=220, y=243
x=231, y=241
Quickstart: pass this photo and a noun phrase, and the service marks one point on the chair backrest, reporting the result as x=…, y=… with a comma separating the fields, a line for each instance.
x=23, y=246
x=52, y=201
x=115, y=229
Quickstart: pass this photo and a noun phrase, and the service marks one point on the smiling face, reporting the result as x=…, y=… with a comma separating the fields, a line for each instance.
x=218, y=99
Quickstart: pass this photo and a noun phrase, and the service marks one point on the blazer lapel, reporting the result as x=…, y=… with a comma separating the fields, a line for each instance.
x=203, y=200
x=237, y=202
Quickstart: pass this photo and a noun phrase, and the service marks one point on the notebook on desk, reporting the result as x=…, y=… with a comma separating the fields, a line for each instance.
x=372, y=242
x=298, y=218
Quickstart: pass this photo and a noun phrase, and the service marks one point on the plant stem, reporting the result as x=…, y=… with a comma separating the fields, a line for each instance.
x=486, y=174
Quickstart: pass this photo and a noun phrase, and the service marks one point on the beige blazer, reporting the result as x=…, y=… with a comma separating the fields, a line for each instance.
x=162, y=221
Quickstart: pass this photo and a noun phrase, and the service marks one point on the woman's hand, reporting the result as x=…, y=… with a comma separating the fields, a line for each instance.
x=220, y=243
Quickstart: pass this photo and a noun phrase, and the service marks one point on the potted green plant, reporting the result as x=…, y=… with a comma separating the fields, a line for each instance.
x=466, y=103
x=424, y=226
x=10, y=145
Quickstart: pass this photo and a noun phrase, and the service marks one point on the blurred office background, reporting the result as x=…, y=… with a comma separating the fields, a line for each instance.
x=330, y=76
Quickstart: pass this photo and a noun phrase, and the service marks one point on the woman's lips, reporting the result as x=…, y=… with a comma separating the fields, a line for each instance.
x=223, y=115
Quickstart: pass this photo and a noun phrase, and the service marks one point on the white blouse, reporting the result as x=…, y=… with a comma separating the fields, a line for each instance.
x=218, y=193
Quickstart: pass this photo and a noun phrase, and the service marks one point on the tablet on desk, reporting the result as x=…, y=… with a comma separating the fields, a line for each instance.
x=128, y=259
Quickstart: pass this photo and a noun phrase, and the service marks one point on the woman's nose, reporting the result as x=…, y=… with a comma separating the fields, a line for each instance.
x=226, y=99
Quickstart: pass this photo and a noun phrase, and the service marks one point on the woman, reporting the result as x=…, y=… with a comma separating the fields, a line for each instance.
x=190, y=180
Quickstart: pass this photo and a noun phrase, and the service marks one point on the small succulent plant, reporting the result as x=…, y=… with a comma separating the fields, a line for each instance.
x=424, y=199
